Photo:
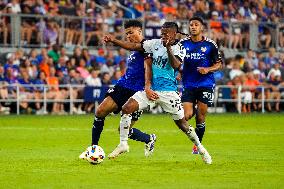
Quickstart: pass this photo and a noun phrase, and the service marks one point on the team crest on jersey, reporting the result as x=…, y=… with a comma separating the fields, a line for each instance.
x=203, y=49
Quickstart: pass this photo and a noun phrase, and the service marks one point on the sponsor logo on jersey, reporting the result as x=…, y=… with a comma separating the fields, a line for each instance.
x=203, y=49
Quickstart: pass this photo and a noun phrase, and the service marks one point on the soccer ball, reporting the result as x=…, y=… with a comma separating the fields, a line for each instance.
x=95, y=154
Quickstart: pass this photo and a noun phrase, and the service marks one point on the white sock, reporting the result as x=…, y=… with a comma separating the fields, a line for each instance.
x=125, y=122
x=193, y=136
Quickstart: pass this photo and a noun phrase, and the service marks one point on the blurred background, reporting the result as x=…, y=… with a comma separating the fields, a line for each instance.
x=53, y=61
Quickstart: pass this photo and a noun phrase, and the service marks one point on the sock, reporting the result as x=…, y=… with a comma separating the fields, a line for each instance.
x=200, y=129
x=97, y=129
x=125, y=122
x=138, y=135
x=193, y=136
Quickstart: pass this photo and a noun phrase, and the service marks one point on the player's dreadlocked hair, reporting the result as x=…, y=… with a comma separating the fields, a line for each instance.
x=173, y=25
x=132, y=23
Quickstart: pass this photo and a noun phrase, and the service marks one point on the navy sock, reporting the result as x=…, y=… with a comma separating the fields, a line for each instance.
x=200, y=129
x=97, y=129
x=138, y=135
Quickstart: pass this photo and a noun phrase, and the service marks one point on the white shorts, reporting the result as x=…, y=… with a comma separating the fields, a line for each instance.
x=169, y=100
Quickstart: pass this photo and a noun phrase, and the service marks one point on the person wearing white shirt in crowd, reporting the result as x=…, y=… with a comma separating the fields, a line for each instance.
x=15, y=6
x=93, y=79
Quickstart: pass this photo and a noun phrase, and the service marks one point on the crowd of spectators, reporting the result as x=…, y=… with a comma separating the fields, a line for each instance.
x=53, y=67
x=109, y=19
x=53, y=64
x=252, y=71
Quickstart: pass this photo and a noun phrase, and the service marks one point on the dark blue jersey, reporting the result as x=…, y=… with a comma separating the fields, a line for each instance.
x=134, y=77
x=199, y=54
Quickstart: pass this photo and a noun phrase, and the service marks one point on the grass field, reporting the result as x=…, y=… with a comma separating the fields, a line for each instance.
x=42, y=152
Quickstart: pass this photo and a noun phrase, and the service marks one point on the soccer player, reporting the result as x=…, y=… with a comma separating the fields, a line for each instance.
x=160, y=85
x=128, y=85
x=202, y=59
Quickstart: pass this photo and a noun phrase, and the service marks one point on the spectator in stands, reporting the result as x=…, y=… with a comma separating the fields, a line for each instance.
x=75, y=79
x=236, y=37
x=252, y=84
x=271, y=58
x=121, y=56
x=106, y=78
x=4, y=28
x=26, y=66
x=50, y=32
x=100, y=58
x=116, y=76
x=26, y=92
x=39, y=92
x=15, y=6
x=77, y=55
x=28, y=26
x=89, y=59
x=12, y=65
x=236, y=70
x=82, y=70
x=251, y=60
x=62, y=67
x=90, y=27
x=33, y=57
x=93, y=79
x=54, y=92
x=3, y=90
x=274, y=80
x=63, y=54
x=54, y=53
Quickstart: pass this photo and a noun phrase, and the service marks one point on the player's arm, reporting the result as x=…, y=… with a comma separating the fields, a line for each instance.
x=216, y=59
x=215, y=67
x=151, y=95
x=123, y=44
x=175, y=61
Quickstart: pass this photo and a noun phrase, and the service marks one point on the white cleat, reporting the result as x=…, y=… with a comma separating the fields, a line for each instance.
x=205, y=155
x=149, y=147
x=118, y=150
x=83, y=155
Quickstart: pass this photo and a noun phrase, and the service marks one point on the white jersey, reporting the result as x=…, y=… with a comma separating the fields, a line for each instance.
x=164, y=76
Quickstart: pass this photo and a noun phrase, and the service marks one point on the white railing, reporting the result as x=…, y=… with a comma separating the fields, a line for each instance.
x=221, y=97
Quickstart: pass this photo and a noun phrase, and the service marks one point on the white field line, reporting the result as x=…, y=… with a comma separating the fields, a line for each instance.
x=115, y=130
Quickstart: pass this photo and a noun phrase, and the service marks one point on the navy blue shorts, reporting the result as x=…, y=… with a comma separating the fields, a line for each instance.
x=204, y=95
x=120, y=95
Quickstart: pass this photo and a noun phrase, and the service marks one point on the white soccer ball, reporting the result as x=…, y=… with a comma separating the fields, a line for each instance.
x=95, y=154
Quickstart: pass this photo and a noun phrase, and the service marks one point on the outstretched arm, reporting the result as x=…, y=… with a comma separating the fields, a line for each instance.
x=151, y=95
x=123, y=44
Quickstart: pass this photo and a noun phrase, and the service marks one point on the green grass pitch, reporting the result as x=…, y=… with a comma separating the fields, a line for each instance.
x=42, y=152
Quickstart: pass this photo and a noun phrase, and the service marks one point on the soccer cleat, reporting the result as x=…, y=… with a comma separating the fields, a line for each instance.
x=83, y=155
x=149, y=147
x=195, y=150
x=205, y=155
x=118, y=150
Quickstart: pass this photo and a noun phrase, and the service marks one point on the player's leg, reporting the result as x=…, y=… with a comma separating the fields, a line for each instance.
x=189, y=104
x=106, y=107
x=125, y=121
x=171, y=103
x=200, y=120
x=138, y=101
x=205, y=99
x=138, y=135
x=188, y=101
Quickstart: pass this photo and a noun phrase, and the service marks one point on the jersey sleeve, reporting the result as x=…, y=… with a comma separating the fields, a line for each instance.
x=179, y=51
x=215, y=54
x=147, y=45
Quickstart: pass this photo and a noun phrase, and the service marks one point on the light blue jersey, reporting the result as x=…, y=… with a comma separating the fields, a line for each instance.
x=163, y=74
